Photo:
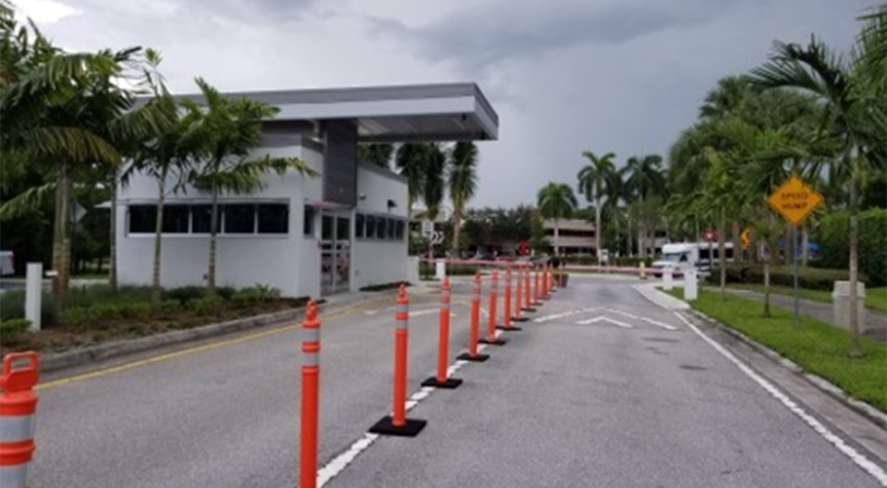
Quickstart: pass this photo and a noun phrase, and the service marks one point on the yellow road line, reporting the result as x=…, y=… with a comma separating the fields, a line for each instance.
x=194, y=350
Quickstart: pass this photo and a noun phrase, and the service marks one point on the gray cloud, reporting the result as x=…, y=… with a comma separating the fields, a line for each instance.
x=487, y=34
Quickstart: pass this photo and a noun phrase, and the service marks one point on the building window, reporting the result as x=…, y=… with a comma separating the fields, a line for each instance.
x=358, y=226
x=176, y=219
x=200, y=218
x=142, y=219
x=308, y=223
x=381, y=227
x=391, y=229
x=371, y=227
x=240, y=219
x=343, y=229
x=399, y=233
x=273, y=218
x=326, y=227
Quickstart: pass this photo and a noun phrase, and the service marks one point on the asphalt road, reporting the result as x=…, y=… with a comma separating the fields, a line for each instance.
x=618, y=393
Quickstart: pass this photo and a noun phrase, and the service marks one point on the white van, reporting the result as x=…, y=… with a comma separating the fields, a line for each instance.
x=700, y=255
x=7, y=263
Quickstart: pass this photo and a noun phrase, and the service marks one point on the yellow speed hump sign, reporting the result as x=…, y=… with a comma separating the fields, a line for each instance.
x=794, y=200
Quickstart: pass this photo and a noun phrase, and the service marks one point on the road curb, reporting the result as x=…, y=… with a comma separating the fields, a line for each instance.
x=860, y=407
x=83, y=356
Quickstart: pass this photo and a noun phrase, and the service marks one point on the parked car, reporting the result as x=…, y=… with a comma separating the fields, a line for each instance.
x=7, y=263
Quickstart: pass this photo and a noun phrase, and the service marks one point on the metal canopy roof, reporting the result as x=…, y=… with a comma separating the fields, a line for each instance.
x=439, y=112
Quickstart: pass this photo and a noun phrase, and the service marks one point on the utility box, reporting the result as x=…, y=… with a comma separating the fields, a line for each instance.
x=413, y=274
x=841, y=304
x=691, y=285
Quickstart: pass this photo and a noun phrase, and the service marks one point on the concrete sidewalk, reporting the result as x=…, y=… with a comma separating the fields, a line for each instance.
x=875, y=322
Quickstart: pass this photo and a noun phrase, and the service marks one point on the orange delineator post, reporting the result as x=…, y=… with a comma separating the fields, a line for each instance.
x=491, y=325
x=310, y=397
x=397, y=423
x=507, y=307
x=545, y=282
x=536, y=301
x=441, y=380
x=474, y=329
x=18, y=409
x=528, y=305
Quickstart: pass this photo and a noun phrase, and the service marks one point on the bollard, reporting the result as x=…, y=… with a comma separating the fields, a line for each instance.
x=536, y=302
x=545, y=282
x=441, y=380
x=517, y=297
x=397, y=424
x=473, y=331
x=491, y=325
x=310, y=397
x=667, y=279
x=643, y=272
x=507, y=307
x=18, y=409
x=690, y=284
x=528, y=305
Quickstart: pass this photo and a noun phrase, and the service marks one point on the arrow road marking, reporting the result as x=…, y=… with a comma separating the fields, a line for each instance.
x=605, y=319
x=624, y=314
x=561, y=315
x=660, y=324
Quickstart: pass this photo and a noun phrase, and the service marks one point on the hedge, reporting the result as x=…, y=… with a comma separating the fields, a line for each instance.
x=834, y=240
x=783, y=275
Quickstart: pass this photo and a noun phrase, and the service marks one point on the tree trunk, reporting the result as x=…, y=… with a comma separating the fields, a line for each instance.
x=557, y=237
x=457, y=229
x=855, y=351
x=722, y=251
x=737, y=242
x=213, y=220
x=158, y=238
x=112, y=262
x=642, y=241
x=597, y=230
x=59, y=241
x=767, y=284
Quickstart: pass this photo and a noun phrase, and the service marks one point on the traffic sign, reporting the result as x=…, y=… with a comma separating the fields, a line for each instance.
x=794, y=200
x=746, y=238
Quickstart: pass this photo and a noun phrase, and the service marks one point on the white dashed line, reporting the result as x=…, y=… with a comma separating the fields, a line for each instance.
x=340, y=462
x=858, y=458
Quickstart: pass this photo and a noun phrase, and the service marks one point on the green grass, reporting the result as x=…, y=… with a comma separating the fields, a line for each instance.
x=815, y=346
x=875, y=298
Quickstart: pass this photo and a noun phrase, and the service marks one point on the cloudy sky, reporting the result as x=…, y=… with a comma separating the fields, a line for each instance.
x=564, y=75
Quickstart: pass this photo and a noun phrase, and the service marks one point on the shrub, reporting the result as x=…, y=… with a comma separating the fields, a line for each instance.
x=255, y=295
x=139, y=311
x=78, y=316
x=208, y=305
x=834, y=240
x=809, y=278
x=185, y=294
x=168, y=308
x=13, y=326
x=12, y=304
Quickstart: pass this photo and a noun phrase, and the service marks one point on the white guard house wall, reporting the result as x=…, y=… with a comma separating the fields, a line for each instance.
x=288, y=261
x=382, y=194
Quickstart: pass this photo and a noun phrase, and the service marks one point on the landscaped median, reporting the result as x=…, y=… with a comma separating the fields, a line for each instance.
x=875, y=298
x=814, y=346
x=95, y=314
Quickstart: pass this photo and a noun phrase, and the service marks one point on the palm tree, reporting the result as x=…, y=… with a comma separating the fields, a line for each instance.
x=461, y=183
x=643, y=179
x=378, y=154
x=556, y=201
x=411, y=160
x=854, y=98
x=594, y=182
x=435, y=180
x=225, y=132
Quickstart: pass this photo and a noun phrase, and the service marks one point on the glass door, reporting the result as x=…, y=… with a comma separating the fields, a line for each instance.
x=335, y=252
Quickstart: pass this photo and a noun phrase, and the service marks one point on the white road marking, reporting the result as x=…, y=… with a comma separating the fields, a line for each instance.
x=624, y=314
x=605, y=319
x=546, y=318
x=340, y=462
x=858, y=458
x=660, y=324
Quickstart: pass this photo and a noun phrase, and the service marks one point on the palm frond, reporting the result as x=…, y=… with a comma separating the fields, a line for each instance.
x=27, y=201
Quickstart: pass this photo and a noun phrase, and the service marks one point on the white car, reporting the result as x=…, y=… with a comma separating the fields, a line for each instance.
x=7, y=263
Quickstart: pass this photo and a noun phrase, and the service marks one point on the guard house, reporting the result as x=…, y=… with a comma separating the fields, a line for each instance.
x=342, y=230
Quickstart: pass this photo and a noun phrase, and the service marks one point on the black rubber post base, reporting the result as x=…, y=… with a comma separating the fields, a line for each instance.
x=477, y=358
x=528, y=309
x=520, y=319
x=411, y=428
x=494, y=342
x=509, y=329
x=448, y=384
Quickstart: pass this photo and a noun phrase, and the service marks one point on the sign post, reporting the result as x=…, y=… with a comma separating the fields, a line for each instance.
x=795, y=201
